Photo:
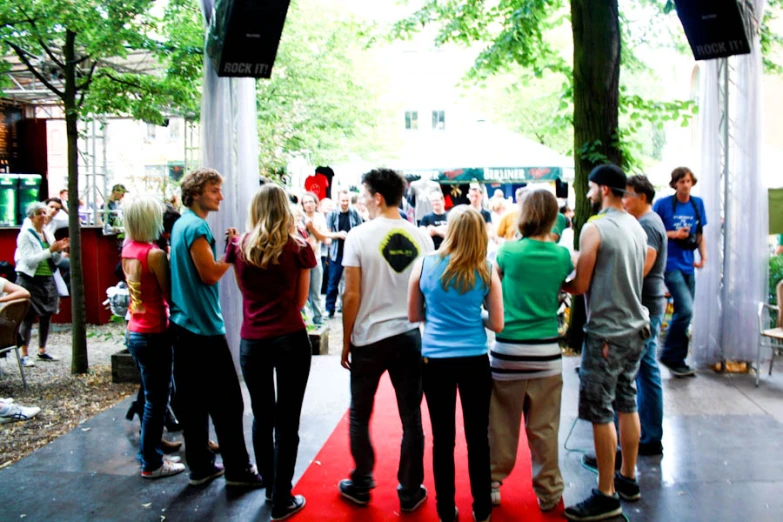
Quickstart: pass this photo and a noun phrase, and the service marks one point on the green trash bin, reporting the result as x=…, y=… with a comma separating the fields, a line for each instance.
x=8, y=184
x=28, y=187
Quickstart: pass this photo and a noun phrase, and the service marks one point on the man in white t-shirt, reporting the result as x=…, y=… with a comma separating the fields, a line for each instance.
x=377, y=335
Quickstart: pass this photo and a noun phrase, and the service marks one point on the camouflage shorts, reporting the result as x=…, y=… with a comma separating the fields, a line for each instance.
x=608, y=384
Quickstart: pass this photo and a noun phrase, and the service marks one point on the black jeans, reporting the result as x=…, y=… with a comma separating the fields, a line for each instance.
x=401, y=356
x=207, y=386
x=441, y=379
x=288, y=356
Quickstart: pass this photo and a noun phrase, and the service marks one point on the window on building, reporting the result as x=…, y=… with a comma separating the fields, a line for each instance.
x=151, y=131
x=175, y=129
x=411, y=120
x=438, y=120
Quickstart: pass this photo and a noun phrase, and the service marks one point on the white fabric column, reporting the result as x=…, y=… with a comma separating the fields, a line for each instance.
x=229, y=144
x=746, y=221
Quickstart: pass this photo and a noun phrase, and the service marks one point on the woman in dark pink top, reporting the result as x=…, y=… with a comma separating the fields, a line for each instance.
x=146, y=271
x=272, y=267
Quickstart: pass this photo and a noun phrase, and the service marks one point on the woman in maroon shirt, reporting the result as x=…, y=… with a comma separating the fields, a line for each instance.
x=272, y=267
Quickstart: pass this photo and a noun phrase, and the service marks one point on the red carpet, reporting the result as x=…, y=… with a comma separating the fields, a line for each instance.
x=334, y=462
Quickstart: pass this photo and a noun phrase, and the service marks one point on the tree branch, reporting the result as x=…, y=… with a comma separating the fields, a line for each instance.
x=22, y=54
x=30, y=20
x=85, y=85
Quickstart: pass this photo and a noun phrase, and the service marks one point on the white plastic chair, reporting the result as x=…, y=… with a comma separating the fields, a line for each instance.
x=771, y=338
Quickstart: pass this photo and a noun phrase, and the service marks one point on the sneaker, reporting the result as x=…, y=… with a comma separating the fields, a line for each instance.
x=547, y=505
x=172, y=458
x=295, y=505
x=495, y=493
x=647, y=449
x=14, y=412
x=627, y=488
x=412, y=502
x=485, y=519
x=360, y=496
x=680, y=369
x=199, y=479
x=46, y=356
x=595, y=507
x=590, y=461
x=248, y=478
x=27, y=362
x=166, y=470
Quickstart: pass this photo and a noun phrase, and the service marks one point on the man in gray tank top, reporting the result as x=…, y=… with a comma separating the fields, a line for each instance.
x=612, y=249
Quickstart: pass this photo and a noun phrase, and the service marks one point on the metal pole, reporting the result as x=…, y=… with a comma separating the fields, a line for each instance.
x=724, y=80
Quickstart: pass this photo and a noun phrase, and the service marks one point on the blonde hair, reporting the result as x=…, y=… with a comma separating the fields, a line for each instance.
x=143, y=218
x=270, y=225
x=466, y=244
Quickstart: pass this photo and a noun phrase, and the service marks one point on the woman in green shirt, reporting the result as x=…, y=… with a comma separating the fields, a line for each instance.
x=525, y=358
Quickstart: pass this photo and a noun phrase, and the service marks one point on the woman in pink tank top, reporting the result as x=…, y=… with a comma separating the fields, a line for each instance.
x=146, y=269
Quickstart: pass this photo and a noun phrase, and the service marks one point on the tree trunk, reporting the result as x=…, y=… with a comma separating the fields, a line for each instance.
x=596, y=31
x=79, y=363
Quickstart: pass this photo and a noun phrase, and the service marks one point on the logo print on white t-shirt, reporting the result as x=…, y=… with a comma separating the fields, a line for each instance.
x=399, y=249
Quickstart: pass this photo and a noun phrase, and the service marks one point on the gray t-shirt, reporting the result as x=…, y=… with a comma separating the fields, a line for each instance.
x=614, y=300
x=654, y=288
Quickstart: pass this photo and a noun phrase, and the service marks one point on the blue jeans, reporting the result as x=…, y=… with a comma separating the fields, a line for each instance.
x=276, y=413
x=682, y=287
x=335, y=274
x=153, y=355
x=314, y=296
x=649, y=395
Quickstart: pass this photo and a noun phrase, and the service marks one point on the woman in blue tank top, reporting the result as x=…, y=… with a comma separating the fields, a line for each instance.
x=447, y=290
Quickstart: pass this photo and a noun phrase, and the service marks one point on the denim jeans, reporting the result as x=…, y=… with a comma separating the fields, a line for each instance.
x=682, y=287
x=401, y=356
x=649, y=396
x=441, y=379
x=153, y=356
x=335, y=274
x=276, y=415
x=207, y=386
x=314, y=297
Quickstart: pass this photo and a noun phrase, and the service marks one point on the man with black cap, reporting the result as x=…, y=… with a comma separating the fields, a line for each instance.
x=610, y=270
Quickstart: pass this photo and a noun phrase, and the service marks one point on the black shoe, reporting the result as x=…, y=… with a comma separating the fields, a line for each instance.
x=360, y=496
x=247, y=478
x=455, y=519
x=200, y=479
x=628, y=489
x=412, y=502
x=595, y=507
x=295, y=505
x=648, y=449
x=45, y=356
x=331, y=314
x=590, y=461
x=679, y=369
x=133, y=411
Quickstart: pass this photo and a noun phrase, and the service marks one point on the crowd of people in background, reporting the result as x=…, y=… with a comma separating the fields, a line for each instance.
x=405, y=278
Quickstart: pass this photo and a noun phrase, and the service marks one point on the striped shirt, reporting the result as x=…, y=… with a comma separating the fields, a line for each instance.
x=530, y=359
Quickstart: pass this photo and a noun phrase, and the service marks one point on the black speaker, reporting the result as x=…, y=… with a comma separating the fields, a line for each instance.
x=715, y=28
x=243, y=36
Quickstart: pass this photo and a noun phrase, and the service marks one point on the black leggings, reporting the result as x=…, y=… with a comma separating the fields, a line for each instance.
x=26, y=328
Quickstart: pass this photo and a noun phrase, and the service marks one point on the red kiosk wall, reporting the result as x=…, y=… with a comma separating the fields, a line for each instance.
x=100, y=255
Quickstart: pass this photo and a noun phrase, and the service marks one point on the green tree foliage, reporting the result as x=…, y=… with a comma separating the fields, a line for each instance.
x=321, y=101
x=103, y=57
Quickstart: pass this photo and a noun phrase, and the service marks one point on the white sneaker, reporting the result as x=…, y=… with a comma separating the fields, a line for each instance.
x=27, y=362
x=495, y=493
x=166, y=470
x=14, y=412
x=174, y=459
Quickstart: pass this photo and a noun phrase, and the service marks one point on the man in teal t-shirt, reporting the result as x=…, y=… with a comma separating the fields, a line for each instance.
x=204, y=374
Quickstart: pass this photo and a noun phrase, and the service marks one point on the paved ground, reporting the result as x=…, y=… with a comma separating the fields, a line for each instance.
x=723, y=458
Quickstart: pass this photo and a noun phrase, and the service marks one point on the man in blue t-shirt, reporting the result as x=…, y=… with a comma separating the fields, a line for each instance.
x=204, y=374
x=684, y=217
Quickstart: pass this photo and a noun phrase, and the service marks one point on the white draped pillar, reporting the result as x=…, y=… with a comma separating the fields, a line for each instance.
x=229, y=144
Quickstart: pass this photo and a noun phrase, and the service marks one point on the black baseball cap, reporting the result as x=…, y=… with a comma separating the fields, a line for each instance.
x=608, y=175
x=119, y=187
